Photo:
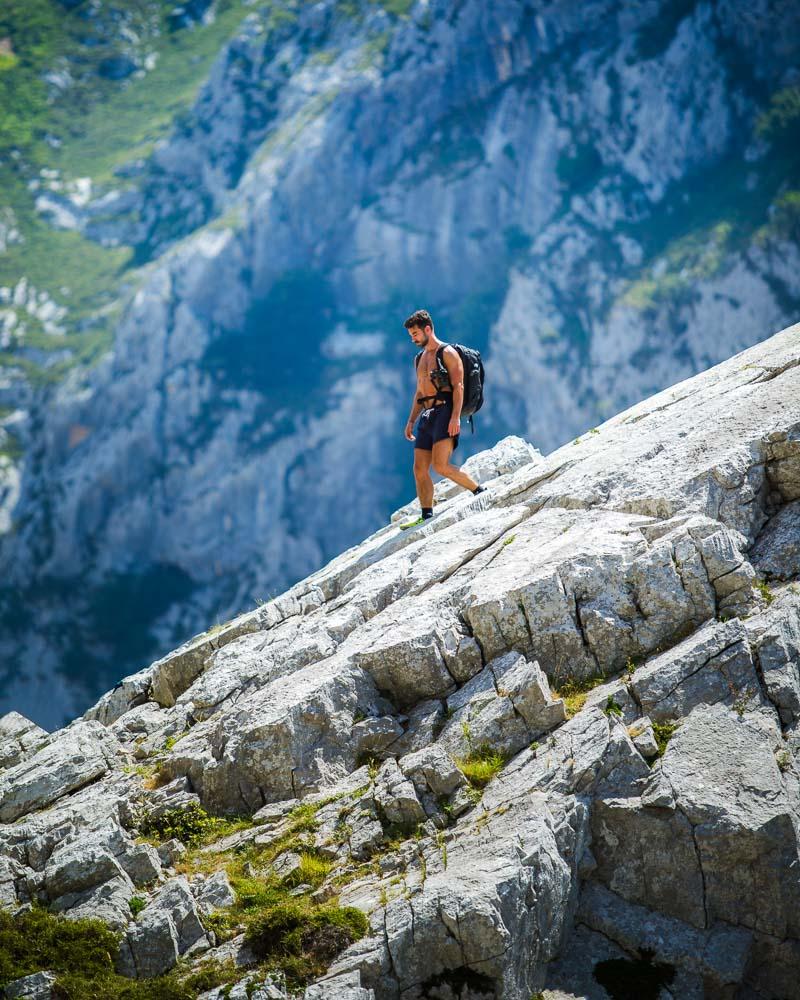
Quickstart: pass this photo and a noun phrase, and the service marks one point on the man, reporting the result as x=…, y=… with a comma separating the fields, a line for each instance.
x=440, y=408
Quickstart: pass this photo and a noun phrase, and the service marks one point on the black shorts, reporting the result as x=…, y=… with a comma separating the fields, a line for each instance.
x=432, y=427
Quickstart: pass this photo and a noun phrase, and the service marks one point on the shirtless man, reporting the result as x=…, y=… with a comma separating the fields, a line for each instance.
x=440, y=423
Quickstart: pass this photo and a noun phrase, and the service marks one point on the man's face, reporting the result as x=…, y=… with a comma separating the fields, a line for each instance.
x=420, y=336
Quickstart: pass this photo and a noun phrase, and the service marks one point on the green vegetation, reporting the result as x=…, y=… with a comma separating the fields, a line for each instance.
x=698, y=256
x=399, y=8
x=576, y=691
x=83, y=953
x=509, y=540
x=763, y=588
x=303, y=939
x=782, y=117
x=663, y=732
x=137, y=904
x=294, y=934
x=481, y=765
x=192, y=825
x=784, y=760
x=128, y=122
x=611, y=707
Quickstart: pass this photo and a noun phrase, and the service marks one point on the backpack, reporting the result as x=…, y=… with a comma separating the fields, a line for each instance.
x=473, y=377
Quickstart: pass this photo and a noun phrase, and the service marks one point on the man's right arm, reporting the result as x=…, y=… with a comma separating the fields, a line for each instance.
x=416, y=409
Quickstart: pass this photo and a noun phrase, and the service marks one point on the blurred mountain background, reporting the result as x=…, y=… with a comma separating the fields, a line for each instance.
x=214, y=218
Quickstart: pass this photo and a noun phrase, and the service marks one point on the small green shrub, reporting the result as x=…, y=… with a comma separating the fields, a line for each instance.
x=663, y=732
x=481, y=765
x=137, y=904
x=312, y=936
x=313, y=870
x=575, y=692
x=611, y=707
x=191, y=824
x=763, y=588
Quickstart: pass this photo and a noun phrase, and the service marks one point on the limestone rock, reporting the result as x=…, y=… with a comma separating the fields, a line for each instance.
x=396, y=797
x=168, y=928
x=712, y=665
x=39, y=986
x=719, y=851
x=214, y=893
x=775, y=638
x=19, y=737
x=83, y=753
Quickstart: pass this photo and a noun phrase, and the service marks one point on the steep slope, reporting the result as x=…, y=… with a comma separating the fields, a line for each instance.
x=601, y=199
x=547, y=742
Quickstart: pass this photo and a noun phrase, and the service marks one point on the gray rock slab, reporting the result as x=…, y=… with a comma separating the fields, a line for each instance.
x=39, y=986
x=717, y=848
x=292, y=734
x=109, y=902
x=776, y=552
x=714, y=664
x=214, y=893
x=19, y=737
x=498, y=900
x=432, y=769
x=590, y=755
x=775, y=638
x=81, y=754
x=169, y=927
x=719, y=954
x=583, y=592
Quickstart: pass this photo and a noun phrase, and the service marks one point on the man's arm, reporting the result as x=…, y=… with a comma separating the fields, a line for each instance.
x=416, y=408
x=455, y=369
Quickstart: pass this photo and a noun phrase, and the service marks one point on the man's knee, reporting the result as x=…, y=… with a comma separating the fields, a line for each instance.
x=422, y=469
x=442, y=467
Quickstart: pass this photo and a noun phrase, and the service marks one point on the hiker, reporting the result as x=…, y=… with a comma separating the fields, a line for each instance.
x=438, y=401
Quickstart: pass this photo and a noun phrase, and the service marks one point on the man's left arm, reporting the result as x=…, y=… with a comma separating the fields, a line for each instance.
x=455, y=369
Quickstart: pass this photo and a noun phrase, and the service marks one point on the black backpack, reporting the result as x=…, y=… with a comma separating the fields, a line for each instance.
x=473, y=377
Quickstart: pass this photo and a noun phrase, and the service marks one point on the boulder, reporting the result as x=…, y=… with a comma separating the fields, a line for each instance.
x=293, y=734
x=585, y=592
x=39, y=986
x=717, y=846
x=168, y=928
x=81, y=754
x=712, y=665
x=776, y=552
x=775, y=638
x=19, y=737
x=396, y=797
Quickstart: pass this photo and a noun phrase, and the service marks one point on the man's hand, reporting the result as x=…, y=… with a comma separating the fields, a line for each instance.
x=409, y=429
x=454, y=427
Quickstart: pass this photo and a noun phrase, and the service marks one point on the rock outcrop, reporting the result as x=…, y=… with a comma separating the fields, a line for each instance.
x=566, y=193
x=549, y=736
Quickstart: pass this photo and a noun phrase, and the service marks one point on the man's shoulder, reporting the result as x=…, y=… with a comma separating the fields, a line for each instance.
x=450, y=353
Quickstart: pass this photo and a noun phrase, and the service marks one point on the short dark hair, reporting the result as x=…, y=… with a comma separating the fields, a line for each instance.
x=420, y=318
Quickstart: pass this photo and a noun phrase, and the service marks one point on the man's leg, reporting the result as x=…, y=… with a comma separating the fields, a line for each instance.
x=442, y=450
x=422, y=475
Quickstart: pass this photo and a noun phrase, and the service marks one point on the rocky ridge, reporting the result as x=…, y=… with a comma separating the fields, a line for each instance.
x=597, y=181
x=612, y=632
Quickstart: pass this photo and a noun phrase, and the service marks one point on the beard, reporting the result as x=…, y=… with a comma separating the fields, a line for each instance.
x=425, y=340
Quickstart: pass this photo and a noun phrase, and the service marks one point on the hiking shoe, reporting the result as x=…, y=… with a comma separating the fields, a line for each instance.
x=413, y=524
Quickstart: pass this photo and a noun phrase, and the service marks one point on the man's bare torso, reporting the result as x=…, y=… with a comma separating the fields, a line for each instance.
x=427, y=364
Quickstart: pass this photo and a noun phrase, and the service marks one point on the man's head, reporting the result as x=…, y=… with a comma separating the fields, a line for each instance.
x=420, y=327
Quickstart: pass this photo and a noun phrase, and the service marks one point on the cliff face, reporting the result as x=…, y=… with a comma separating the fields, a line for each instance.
x=547, y=741
x=595, y=198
